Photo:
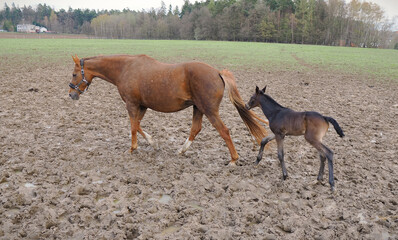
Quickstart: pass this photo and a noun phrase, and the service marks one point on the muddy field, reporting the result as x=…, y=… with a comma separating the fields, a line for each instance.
x=65, y=170
x=17, y=35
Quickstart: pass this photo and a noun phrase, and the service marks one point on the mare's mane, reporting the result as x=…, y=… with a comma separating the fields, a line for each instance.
x=120, y=55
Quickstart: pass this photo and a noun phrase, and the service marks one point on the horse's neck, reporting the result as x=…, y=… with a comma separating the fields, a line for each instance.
x=270, y=107
x=100, y=68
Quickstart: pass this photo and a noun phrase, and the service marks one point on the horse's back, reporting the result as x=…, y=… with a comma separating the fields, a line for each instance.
x=289, y=122
x=172, y=87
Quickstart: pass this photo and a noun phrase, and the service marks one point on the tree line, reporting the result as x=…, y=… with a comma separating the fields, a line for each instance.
x=323, y=22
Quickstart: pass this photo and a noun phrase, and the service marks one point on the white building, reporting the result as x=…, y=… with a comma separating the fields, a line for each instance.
x=29, y=28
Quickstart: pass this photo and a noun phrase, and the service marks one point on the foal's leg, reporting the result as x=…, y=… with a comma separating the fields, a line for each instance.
x=281, y=156
x=325, y=153
x=263, y=143
x=322, y=167
x=217, y=123
x=195, y=129
x=329, y=156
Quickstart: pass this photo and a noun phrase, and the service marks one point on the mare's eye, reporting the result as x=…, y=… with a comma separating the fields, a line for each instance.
x=74, y=75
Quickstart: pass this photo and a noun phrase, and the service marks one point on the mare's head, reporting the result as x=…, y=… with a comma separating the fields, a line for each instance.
x=255, y=99
x=81, y=79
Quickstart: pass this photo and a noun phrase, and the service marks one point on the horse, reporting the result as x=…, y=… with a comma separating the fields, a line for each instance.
x=284, y=121
x=144, y=82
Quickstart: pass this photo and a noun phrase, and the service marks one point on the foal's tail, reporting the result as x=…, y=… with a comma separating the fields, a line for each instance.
x=335, y=125
x=247, y=116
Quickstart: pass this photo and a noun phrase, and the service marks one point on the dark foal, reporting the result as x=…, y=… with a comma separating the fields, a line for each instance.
x=284, y=121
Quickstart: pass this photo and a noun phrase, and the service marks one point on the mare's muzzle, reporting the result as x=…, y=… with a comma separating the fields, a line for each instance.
x=74, y=95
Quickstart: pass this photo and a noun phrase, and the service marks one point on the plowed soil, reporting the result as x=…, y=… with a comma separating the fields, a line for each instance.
x=66, y=173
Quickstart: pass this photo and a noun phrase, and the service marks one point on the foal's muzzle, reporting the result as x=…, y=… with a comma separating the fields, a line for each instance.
x=247, y=107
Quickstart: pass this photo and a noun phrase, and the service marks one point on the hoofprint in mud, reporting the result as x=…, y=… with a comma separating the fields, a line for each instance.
x=65, y=170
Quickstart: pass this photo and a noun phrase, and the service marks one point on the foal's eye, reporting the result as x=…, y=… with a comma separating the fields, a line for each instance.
x=74, y=75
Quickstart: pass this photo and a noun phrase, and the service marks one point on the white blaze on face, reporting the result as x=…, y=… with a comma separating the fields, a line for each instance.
x=185, y=146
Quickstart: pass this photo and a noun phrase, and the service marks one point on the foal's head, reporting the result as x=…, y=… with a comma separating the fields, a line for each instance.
x=255, y=99
x=81, y=79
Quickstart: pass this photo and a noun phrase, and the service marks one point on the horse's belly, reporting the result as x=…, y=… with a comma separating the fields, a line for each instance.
x=169, y=105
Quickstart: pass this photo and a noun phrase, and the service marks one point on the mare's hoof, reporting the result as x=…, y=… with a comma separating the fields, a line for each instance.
x=231, y=163
x=180, y=152
x=132, y=150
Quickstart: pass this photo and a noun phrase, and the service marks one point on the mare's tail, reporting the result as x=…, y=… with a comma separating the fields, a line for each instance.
x=335, y=125
x=247, y=116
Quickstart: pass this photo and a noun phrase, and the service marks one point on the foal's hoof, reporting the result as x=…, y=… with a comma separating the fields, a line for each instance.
x=258, y=161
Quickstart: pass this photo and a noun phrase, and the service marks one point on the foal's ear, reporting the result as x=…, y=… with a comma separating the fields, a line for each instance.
x=264, y=89
x=257, y=90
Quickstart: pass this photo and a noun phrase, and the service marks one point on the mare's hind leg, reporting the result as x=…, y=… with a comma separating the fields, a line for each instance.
x=195, y=129
x=281, y=155
x=263, y=143
x=136, y=114
x=217, y=123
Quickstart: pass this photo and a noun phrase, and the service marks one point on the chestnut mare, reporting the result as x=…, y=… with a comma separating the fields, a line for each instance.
x=143, y=83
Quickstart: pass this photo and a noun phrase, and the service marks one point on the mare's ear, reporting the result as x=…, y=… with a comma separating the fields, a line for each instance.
x=257, y=90
x=264, y=89
x=76, y=59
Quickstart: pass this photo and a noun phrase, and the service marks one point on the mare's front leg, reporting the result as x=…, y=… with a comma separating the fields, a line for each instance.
x=263, y=143
x=144, y=134
x=279, y=142
x=136, y=114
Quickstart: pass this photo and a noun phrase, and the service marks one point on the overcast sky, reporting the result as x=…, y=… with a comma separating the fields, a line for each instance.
x=389, y=6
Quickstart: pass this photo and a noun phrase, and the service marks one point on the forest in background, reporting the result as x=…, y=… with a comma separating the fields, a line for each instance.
x=321, y=22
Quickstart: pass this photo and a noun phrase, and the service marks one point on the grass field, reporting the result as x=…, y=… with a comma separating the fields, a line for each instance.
x=380, y=64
